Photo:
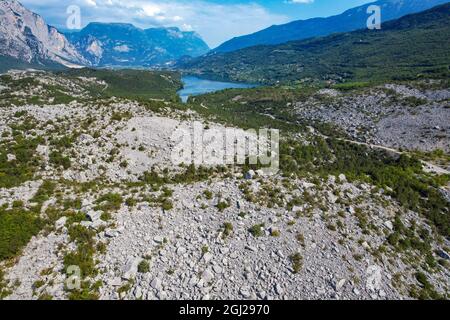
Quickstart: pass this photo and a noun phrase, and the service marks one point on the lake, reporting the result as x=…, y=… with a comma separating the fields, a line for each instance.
x=194, y=86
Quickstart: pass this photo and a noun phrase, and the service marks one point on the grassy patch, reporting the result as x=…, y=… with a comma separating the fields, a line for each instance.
x=17, y=227
x=109, y=202
x=23, y=168
x=144, y=267
x=297, y=262
x=257, y=230
x=227, y=229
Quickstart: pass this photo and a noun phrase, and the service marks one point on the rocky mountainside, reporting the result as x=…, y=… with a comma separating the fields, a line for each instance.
x=117, y=44
x=26, y=37
x=403, y=49
x=91, y=177
x=350, y=20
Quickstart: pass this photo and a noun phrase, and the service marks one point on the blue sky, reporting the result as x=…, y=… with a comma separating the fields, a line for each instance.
x=216, y=21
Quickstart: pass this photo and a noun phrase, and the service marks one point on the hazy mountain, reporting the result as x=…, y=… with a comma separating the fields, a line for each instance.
x=403, y=48
x=350, y=20
x=117, y=44
x=27, y=39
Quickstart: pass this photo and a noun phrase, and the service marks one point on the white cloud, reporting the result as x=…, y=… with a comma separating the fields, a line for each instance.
x=91, y=3
x=151, y=10
x=215, y=22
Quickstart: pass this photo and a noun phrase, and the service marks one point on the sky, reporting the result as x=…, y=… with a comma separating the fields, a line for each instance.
x=216, y=21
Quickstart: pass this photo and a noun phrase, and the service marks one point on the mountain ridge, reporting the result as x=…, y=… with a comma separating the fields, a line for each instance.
x=358, y=55
x=350, y=20
x=123, y=44
x=27, y=41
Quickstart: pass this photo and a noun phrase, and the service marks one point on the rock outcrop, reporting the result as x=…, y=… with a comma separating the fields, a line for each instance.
x=24, y=35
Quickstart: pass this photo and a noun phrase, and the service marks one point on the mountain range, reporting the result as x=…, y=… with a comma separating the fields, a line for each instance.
x=27, y=41
x=118, y=44
x=350, y=20
x=405, y=48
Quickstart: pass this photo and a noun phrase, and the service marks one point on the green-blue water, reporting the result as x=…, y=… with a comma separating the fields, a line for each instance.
x=194, y=86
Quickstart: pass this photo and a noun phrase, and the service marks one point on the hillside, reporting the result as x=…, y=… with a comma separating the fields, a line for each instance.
x=87, y=181
x=404, y=48
x=7, y=63
x=331, y=182
x=132, y=84
x=350, y=20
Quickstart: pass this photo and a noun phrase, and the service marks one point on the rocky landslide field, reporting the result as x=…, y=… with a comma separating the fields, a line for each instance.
x=411, y=117
x=88, y=182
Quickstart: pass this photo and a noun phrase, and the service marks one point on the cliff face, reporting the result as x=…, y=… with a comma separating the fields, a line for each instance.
x=25, y=36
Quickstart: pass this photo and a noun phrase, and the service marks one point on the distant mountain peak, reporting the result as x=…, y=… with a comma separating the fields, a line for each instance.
x=123, y=44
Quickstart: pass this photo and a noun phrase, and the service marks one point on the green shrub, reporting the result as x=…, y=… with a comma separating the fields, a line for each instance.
x=45, y=296
x=301, y=239
x=65, y=142
x=17, y=227
x=17, y=204
x=144, y=267
x=81, y=235
x=393, y=239
x=208, y=194
x=83, y=256
x=119, y=116
x=86, y=292
x=38, y=284
x=297, y=262
x=167, y=205
x=257, y=230
x=222, y=205
x=59, y=160
x=167, y=193
x=109, y=202
x=124, y=164
x=14, y=173
x=44, y=192
x=4, y=291
x=19, y=114
x=275, y=233
x=131, y=202
x=227, y=229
